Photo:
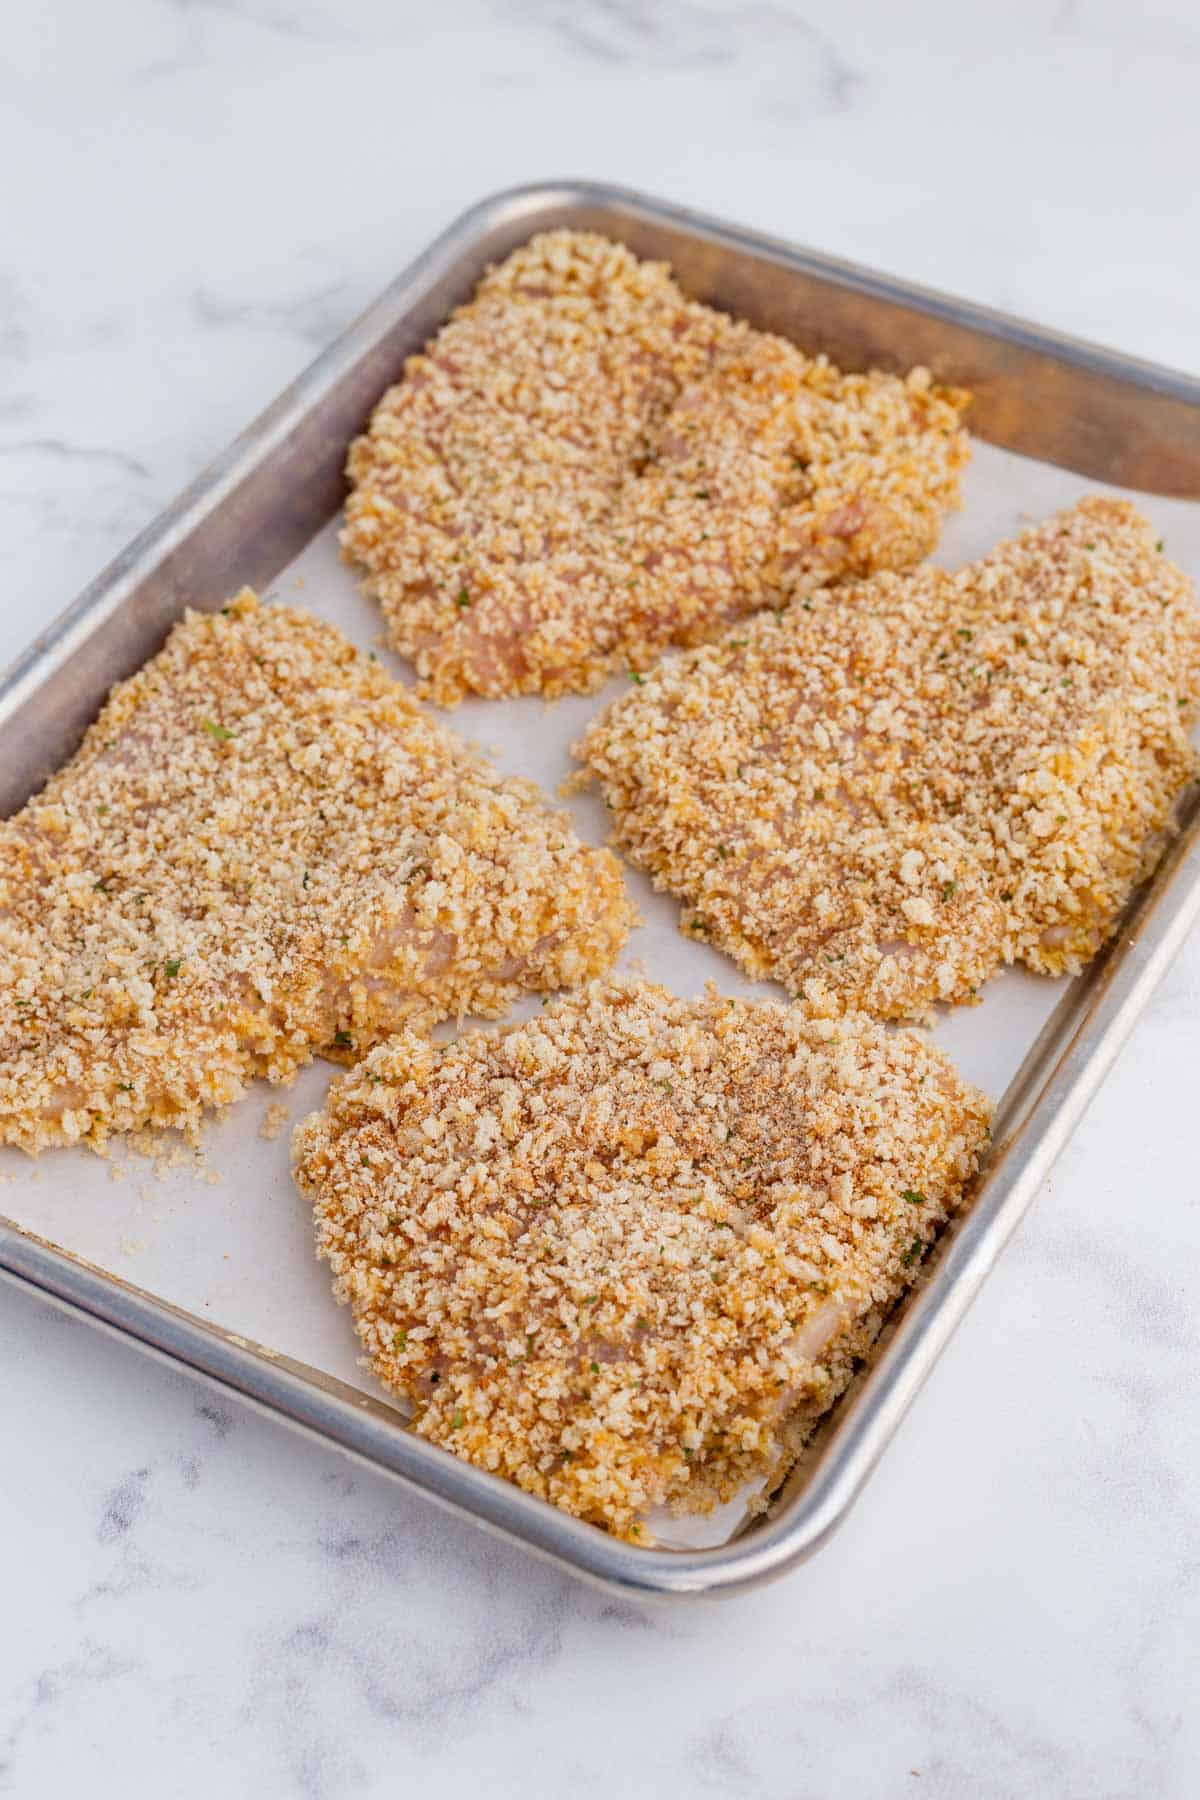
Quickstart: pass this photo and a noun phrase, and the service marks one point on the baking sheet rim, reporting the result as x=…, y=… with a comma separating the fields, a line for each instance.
x=1038, y=1114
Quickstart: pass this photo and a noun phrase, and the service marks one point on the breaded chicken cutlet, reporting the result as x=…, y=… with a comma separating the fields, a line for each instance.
x=264, y=848
x=882, y=794
x=586, y=466
x=626, y=1254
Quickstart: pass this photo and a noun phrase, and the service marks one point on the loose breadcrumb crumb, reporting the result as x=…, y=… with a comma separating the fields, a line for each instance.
x=627, y=1253
x=263, y=849
x=585, y=466
x=273, y=1122
x=884, y=793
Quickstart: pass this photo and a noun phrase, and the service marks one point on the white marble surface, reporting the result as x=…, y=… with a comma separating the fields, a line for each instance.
x=197, y=194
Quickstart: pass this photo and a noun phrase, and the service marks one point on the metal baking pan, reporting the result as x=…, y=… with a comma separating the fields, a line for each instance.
x=1082, y=409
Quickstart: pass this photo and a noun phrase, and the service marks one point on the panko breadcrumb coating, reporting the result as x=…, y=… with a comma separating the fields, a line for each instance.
x=585, y=466
x=627, y=1253
x=264, y=848
x=883, y=793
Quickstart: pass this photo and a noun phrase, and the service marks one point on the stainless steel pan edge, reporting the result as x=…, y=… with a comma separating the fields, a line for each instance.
x=256, y=507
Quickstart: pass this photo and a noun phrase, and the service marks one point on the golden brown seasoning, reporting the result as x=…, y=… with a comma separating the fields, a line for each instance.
x=264, y=848
x=881, y=795
x=585, y=466
x=627, y=1253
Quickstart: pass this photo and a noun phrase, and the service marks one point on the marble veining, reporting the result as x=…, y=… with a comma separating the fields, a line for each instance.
x=684, y=35
x=196, y=1601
